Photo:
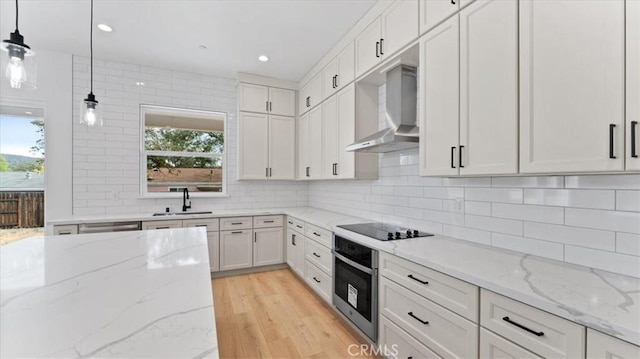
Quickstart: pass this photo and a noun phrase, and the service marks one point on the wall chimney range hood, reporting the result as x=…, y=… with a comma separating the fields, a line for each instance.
x=402, y=131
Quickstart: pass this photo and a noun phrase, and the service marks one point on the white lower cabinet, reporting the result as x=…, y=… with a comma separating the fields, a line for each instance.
x=398, y=344
x=268, y=246
x=604, y=346
x=295, y=251
x=61, y=230
x=318, y=281
x=213, y=243
x=236, y=249
x=493, y=346
x=161, y=225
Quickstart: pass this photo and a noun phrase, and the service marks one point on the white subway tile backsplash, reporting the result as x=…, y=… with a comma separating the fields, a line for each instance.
x=628, y=243
x=468, y=234
x=493, y=224
x=443, y=192
x=528, y=182
x=425, y=203
x=528, y=213
x=609, y=261
x=599, y=199
x=527, y=245
x=592, y=238
x=608, y=220
x=506, y=195
x=477, y=208
x=628, y=201
x=619, y=181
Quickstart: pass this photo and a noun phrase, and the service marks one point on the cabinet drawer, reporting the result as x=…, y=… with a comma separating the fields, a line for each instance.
x=161, y=224
x=397, y=344
x=319, y=235
x=446, y=333
x=319, y=255
x=65, y=229
x=604, y=346
x=295, y=224
x=318, y=280
x=540, y=332
x=212, y=224
x=453, y=294
x=232, y=223
x=494, y=346
x=267, y=221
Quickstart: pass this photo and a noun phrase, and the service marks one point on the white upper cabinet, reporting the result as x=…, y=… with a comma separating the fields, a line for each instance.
x=282, y=147
x=253, y=146
x=263, y=99
x=330, y=136
x=572, y=86
x=304, y=158
x=346, y=163
x=439, y=121
x=339, y=72
x=315, y=143
x=489, y=88
x=311, y=94
x=633, y=87
x=433, y=12
x=395, y=28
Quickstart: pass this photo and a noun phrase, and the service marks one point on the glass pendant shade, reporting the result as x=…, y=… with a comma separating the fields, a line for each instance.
x=90, y=112
x=19, y=62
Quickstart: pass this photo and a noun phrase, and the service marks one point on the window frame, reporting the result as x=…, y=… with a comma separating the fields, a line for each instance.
x=144, y=193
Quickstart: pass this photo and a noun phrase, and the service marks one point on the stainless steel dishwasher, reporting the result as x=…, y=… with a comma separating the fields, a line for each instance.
x=109, y=227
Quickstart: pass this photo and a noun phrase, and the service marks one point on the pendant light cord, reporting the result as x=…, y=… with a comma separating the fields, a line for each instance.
x=16, y=15
x=90, y=45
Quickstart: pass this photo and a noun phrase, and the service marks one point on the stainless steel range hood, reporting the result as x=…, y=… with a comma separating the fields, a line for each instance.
x=402, y=131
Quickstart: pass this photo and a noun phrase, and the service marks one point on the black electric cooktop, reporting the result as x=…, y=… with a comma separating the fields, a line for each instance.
x=384, y=232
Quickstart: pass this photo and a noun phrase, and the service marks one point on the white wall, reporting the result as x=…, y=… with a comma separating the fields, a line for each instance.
x=53, y=94
x=106, y=159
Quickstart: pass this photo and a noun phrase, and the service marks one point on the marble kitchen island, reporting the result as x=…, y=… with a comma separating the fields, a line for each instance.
x=124, y=294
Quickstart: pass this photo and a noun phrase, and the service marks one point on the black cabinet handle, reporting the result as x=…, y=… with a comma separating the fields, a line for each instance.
x=634, y=124
x=460, y=157
x=453, y=2
x=335, y=169
x=308, y=171
x=417, y=280
x=236, y=232
x=270, y=106
x=506, y=319
x=336, y=80
x=377, y=48
x=316, y=234
x=289, y=222
x=299, y=226
x=316, y=279
x=425, y=322
x=255, y=236
x=269, y=171
x=612, y=128
x=266, y=171
x=236, y=223
x=267, y=103
x=268, y=221
x=453, y=153
x=381, y=42
x=316, y=254
x=293, y=239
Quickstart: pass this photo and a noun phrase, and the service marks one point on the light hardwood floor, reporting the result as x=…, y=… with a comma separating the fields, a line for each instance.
x=275, y=315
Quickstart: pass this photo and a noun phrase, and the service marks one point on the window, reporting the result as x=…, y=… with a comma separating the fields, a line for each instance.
x=182, y=149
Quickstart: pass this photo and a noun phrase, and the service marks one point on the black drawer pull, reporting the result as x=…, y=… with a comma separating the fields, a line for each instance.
x=506, y=319
x=299, y=226
x=236, y=223
x=316, y=234
x=162, y=227
x=634, y=124
x=418, y=319
x=381, y=42
x=316, y=279
x=377, y=48
x=201, y=225
x=460, y=157
x=453, y=153
x=268, y=221
x=236, y=232
x=316, y=254
x=417, y=280
x=289, y=222
x=612, y=128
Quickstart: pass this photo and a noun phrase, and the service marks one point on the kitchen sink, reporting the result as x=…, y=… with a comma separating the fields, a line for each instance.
x=160, y=214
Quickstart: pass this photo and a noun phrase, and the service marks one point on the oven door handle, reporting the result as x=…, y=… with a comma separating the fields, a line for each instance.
x=352, y=263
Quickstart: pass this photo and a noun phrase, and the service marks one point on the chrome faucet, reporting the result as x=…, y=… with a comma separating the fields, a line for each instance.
x=185, y=197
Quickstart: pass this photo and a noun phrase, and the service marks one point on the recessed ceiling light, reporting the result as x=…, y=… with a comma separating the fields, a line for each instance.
x=139, y=83
x=105, y=27
x=202, y=47
x=28, y=112
x=263, y=58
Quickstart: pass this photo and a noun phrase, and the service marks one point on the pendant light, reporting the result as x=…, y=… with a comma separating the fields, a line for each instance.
x=90, y=113
x=20, y=63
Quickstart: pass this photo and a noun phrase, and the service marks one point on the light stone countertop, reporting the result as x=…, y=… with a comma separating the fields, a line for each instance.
x=124, y=294
x=604, y=301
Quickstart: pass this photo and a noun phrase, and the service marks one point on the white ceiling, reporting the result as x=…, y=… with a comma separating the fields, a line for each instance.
x=295, y=34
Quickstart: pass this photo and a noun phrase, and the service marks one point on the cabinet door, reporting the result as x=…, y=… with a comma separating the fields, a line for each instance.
x=489, y=88
x=399, y=26
x=268, y=246
x=346, y=66
x=315, y=143
x=253, y=98
x=282, y=146
x=329, y=75
x=368, y=47
x=236, y=249
x=604, y=346
x=213, y=242
x=303, y=104
x=571, y=86
x=253, y=146
x=439, y=74
x=315, y=90
x=304, y=154
x=282, y=102
x=495, y=347
x=346, y=100
x=433, y=12
x=330, y=137
x=633, y=86
x=292, y=243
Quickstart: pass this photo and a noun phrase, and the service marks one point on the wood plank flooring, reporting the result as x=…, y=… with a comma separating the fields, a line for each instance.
x=275, y=315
